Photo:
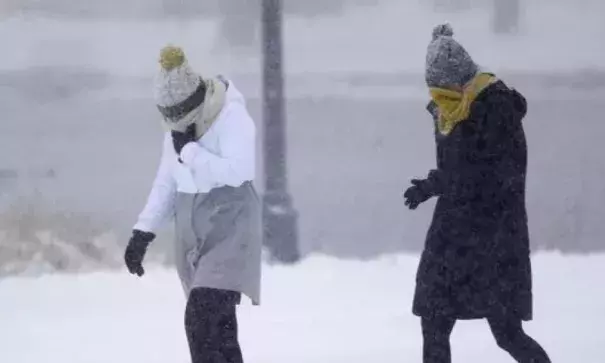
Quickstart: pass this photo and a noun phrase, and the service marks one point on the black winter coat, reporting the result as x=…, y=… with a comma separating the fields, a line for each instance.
x=476, y=259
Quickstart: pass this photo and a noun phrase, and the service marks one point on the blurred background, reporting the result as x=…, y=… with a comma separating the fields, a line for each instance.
x=80, y=136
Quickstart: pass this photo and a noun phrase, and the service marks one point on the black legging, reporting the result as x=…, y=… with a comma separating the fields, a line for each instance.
x=507, y=331
x=211, y=326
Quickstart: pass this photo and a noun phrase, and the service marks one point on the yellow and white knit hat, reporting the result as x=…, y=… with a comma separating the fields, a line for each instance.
x=176, y=80
x=183, y=96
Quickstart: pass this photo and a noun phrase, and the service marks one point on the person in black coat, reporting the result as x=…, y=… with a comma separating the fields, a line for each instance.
x=476, y=258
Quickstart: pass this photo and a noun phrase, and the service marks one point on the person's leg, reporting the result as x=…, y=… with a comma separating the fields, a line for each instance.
x=436, y=334
x=208, y=323
x=510, y=336
x=229, y=345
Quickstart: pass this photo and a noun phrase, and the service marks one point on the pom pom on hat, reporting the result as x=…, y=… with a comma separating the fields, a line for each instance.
x=171, y=57
x=175, y=80
x=443, y=30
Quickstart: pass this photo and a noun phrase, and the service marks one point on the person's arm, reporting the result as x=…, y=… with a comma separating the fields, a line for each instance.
x=237, y=147
x=160, y=201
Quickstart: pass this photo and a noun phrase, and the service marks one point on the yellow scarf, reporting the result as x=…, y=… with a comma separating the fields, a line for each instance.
x=455, y=106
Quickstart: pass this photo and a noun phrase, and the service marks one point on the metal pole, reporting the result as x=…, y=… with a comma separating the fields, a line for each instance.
x=280, y=230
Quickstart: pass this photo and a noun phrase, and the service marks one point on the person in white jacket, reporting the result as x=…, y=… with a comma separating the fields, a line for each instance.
x=204, y=182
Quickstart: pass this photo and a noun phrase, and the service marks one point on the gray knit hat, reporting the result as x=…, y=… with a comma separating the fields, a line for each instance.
x=447, y=62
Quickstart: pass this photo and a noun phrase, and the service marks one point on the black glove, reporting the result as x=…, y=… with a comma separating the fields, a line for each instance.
x=418, y=193
x=135, y=251
x=180, y=139
x=433, y=109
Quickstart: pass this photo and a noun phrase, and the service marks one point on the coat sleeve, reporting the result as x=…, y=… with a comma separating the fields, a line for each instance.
x=481, y=170
x=235, y=162
x=160, y=201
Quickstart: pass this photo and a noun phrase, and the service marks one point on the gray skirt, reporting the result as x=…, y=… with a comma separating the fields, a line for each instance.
x=218, y=240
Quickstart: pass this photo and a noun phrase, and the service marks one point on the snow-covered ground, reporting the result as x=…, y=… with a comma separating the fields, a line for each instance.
x=322, y=311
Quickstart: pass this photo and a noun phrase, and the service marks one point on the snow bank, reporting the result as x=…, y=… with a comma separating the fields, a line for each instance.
x=40, y=236
x=323, y=311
